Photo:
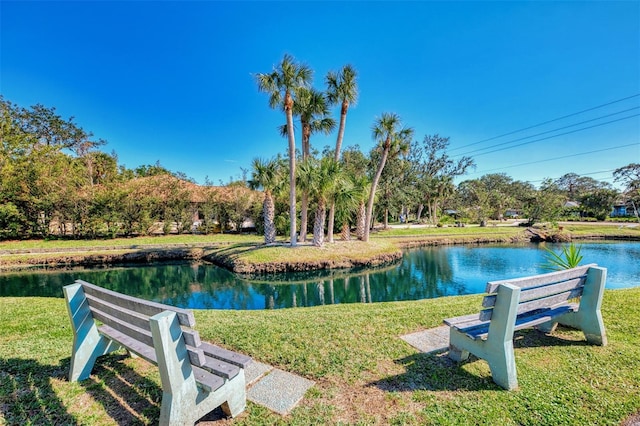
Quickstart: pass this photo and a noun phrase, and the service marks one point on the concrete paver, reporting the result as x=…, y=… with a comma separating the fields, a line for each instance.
x=431, y=340
x=279, y=391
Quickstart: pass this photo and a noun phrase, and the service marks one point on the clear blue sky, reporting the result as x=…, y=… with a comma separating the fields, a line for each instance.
x=173, y=81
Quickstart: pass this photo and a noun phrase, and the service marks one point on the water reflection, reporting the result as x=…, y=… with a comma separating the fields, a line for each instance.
x=421, y=274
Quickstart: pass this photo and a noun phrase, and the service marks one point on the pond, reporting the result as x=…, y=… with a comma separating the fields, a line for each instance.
x=421, y=274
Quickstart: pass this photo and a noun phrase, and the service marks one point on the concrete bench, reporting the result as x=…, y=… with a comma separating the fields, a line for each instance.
x=541, y=301
x=196, y=376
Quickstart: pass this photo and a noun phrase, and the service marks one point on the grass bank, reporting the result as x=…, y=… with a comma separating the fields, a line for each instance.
x=247, y=254
x=364, y=373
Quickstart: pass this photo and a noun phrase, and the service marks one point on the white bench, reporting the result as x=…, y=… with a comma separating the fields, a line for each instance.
x=541, y=301
x=196, y=376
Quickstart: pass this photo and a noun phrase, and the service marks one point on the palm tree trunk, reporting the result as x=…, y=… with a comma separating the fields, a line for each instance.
x=419, y=214
x=318, y=227
x=343, y=121
x=292, y=168
x=346, y=232
x=268, y=209
x=372, y=194
x=304, y=217
x=332, y=216
x=386, y=218
x=304, y=205
x=361, y=221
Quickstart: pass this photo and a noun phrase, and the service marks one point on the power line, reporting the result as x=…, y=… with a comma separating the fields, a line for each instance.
x=559, y=134
x=581, y=175
x=560, y=158
x=548, y=121
x=549, y=131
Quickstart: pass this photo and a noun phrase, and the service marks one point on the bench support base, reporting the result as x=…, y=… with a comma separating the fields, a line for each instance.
x=183, y=402
x=88, y=344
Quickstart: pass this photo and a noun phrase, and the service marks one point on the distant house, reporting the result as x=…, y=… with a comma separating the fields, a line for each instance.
x=512, y=213
x=622, y=209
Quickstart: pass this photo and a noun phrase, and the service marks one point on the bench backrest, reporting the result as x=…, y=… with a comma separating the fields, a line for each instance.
x=540, y=291
x=130, y=316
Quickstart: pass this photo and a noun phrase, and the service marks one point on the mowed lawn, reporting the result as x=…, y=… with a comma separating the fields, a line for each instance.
x=365, y=374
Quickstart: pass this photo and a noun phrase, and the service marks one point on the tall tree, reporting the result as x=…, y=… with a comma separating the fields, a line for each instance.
x=342, y=88
x=324, y=177
x=281, y=85
x=392, y=139
x=267, y=175
x=313, y=109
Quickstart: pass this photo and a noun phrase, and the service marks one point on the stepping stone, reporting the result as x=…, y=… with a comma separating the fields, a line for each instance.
x=431, y=340
x=255, y=371
x=279, y=391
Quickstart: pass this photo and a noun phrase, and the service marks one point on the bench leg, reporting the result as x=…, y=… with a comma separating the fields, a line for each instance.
x=588, y=318
x=237, y=399
x=502, y=364
x=88, y=344
x=457, y=354
x=179, y=389
x=547, y=327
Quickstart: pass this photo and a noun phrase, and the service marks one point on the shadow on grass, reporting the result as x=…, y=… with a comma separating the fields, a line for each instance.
x=435, y=371
x=26, y=394
x=128, y=397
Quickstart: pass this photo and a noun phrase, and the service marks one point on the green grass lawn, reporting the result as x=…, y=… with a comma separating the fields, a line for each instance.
x=364, y=373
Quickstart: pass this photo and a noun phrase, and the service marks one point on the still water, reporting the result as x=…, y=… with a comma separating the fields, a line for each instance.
x=421, y=274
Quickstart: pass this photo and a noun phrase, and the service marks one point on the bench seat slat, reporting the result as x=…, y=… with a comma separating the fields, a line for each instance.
x=207, y=380
x=226, y=355
x=144, y=351
x=220, y=368
x=534, y=305
x=462, y=321
x=136, y=333
x=480, y=329
x=110, y=313
x=145, y=307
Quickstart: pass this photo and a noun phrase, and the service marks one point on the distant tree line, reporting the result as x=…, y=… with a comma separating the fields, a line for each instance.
x=55, y=181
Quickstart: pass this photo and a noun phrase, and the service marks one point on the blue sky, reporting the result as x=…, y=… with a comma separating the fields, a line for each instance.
x=173, y=81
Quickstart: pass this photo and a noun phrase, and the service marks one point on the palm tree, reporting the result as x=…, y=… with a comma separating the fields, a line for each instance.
x=267, y=174
x=363, y=186
x=346, y=199
x=392, y=139
x=281, y=85
x=323, y=177
x=341, y=88
x=312, y=107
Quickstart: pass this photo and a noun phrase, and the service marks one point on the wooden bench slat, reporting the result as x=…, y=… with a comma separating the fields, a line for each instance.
x=185, y=317
x=528, y=294
x=144, y=351
x=459, y=322
x=110, y=313
x=539, y=280
x=206, y=380
x=148, y=353
x=220, y=368
x=532, y=305
x=226, y=355
x=136, y=333
x=480, y=330
x=115, y=311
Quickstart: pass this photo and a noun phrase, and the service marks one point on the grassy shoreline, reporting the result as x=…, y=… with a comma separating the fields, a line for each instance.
x=247, y=254
x=364, y=373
